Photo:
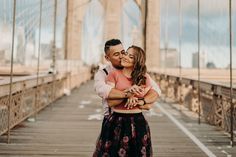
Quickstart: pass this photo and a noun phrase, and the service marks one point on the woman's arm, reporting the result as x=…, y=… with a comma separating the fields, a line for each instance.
x=113, y=101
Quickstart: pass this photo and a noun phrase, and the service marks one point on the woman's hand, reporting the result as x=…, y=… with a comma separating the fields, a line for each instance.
x=131, y=102
x=135, y=89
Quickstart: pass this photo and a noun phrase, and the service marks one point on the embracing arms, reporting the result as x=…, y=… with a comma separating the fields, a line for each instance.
x=130, y=96
x=115, y=96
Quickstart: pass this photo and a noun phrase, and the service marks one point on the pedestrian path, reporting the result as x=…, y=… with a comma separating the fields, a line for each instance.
x=70, y=126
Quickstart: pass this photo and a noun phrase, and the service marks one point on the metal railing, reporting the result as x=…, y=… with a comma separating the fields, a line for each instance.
x=215, y=98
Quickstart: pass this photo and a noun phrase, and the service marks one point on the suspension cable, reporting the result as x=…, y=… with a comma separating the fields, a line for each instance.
x=199, y=66
x=38, y=62
x=11, y=75
x=231, y=81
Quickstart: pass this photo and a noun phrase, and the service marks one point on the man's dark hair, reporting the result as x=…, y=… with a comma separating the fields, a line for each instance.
x=109, y=43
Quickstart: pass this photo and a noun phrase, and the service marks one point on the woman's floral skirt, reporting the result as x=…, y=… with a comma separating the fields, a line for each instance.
x=124, y=135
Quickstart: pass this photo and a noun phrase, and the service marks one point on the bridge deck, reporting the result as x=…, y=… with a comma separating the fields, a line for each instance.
x=70, y=126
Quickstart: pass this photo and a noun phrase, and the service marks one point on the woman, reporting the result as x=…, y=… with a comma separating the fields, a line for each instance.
x=126, y=133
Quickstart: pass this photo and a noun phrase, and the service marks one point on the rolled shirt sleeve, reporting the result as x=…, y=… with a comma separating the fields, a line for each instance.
x=100, y=86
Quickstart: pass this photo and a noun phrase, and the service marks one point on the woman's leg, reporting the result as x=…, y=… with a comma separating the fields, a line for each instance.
x=141, y=137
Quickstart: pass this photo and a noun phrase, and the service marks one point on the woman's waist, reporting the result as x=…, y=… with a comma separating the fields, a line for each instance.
x=128, y=111
x=127, y=114
x=123, y=107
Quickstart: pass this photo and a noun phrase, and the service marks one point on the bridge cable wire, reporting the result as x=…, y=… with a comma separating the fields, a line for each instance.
x=11, y=74
x=166, y=40
x=38, y=63
x=54, y=51
x=231, y=83
x=198, y=35
x=180, y=44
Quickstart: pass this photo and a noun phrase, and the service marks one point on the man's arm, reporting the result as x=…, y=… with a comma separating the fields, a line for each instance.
x=100, y=86
x=148, y=100
x=104, y=90
x=117, y=94
x=146, y=106
x=114, y=102
x=151, y=96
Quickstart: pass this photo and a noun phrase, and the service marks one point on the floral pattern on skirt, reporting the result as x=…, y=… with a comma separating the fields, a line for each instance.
x=124, y=135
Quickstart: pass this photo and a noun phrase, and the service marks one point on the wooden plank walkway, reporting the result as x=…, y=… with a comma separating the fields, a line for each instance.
x=70, y=126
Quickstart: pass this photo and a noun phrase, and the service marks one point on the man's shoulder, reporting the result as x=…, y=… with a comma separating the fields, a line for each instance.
x=104, y=66
x=103, y=70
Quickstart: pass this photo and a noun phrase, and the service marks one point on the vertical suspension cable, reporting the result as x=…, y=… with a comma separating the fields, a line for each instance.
x=54, y=35
x=11, y=75
x=231, y=81
x=38, y=63
x=67, y=29
x=145, y=25
x=66, y=46
x=166, y=39
x=180, y=44
x=180, y=35
x=54, y=50
x=199, y=95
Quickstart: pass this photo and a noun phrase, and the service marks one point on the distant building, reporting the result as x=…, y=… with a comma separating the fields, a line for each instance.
x=210, y=65
x=169, y=58
x=203, y=60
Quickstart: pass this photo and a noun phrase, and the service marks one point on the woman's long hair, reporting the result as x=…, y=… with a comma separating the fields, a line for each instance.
x=140, y=69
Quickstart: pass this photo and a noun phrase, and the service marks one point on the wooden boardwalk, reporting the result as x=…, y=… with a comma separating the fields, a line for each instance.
x=70, y=126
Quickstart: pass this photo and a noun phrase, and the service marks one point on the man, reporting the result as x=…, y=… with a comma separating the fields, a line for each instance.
x=113, y=53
